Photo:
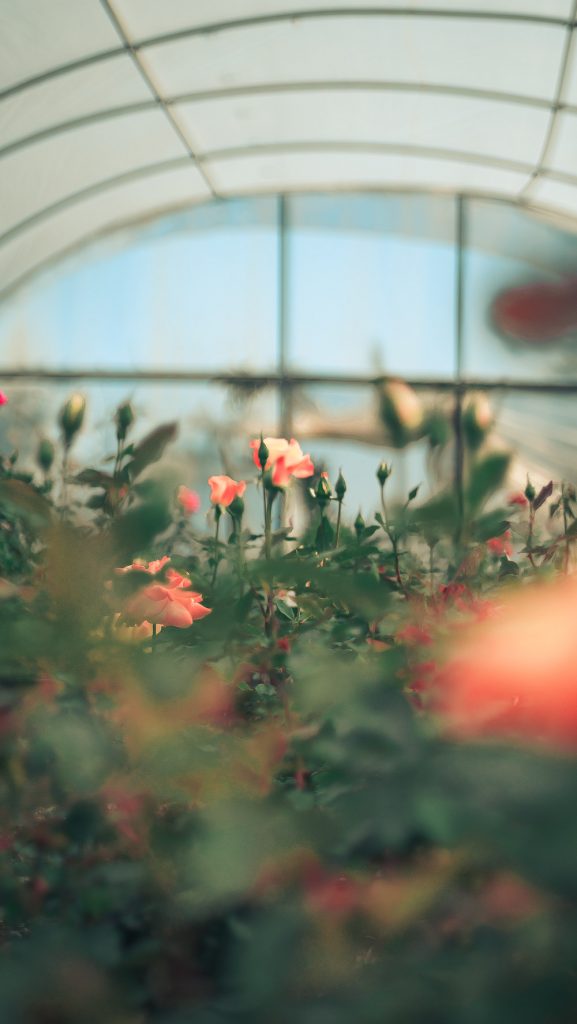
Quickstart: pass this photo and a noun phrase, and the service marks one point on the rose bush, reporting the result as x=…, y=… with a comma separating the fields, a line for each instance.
x=339, y=788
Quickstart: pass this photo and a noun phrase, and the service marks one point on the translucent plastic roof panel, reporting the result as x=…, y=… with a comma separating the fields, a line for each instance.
x=462, y=53
x=471, y=96
x=37, y=36
x=146, y=18
x=93, y=88
x=55, y=234
x=42, y=174
x=336, y=169
x=461, y=124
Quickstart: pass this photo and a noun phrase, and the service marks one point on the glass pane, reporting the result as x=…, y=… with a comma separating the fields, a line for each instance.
x=529, y=334
x=216, y=425
x=541, y=429
x=372, y=285
x=198, y=291
x=341, y=428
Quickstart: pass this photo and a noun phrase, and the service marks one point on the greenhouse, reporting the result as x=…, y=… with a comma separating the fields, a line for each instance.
x=288, y=511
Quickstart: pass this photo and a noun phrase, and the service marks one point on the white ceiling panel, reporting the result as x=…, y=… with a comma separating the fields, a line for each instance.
x=563, y=151
x=46, y=172
x=316, y=93
x=569, y=93
x=147, y=18
x=467, y=53
x=456, y=123
x=39, y=35
x=556, y=195
x=105, y=85
x=106, y=211
x=297, y=171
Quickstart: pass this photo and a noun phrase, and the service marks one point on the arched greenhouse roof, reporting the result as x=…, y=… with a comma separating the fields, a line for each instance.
x=117, y=111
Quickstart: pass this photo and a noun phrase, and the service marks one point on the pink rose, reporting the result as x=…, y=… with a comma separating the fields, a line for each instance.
x=189, y=501
x=168, y=603
x=285, y=459
x=223, y=490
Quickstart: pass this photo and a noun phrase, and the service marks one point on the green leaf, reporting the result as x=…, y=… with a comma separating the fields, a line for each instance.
x=544, y=493
x=93, y=478
x=150, y=449
x=487, y=475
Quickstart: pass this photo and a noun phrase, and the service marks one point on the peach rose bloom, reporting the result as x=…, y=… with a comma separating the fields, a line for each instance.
x=223, y=490
x=167, y=603
x=405, y=402
x=189, y=501
x=285, y=458
x=516, y=673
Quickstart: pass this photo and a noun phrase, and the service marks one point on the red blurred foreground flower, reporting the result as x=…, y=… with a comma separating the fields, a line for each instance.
x=189, y=501
x=516, y=673
x=167, y=603
x=285, y=459
x=501, y=546
x=223, y=490
x=3, y=398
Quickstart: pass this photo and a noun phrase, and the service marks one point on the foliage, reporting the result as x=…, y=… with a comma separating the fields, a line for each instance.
x=268, y=815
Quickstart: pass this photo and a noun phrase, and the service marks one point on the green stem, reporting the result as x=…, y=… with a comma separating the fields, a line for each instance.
x=216, y=559
x=530, y=536
x=567, y=543
x=338, y=527
x=267, y=524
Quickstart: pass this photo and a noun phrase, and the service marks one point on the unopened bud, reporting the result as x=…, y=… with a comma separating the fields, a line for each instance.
x=477, y=419
x=124, y=419
x=71, y=417
x=262, y=453
x=340, y=487
x=323, y=492
x=45, y=454
x=530, y=492
x=359, y=525
x=383, y=473
x=401, y=412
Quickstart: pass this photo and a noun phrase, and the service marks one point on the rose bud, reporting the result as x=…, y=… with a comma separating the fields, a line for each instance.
x=323, y=491
x=340, y=486
x=71, y=417
x=262, y=453
x=383, y=473
x=477, y=419
x=401, y=412
x=124, y=419
x=359, y=525
x=45, y=454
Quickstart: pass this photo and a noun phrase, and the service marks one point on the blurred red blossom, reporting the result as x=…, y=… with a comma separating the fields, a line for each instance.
x=188, y=500
x=516, y=673
x=501, y=546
